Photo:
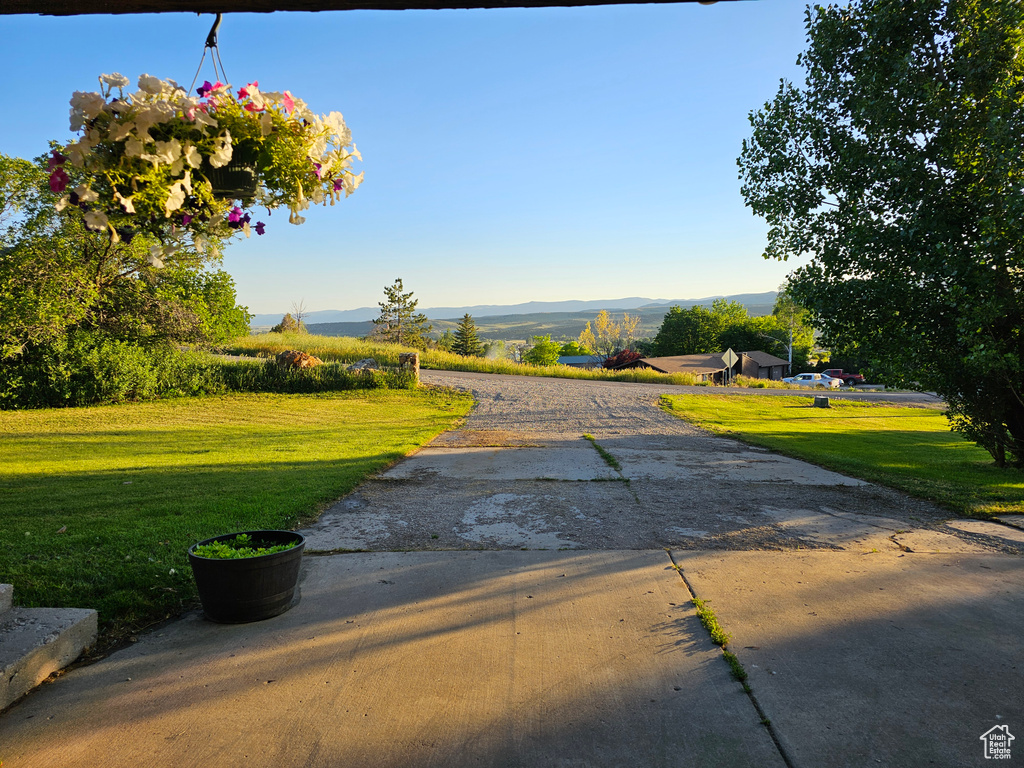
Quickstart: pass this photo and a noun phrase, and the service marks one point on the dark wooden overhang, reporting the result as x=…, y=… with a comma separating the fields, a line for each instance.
x=78, y=7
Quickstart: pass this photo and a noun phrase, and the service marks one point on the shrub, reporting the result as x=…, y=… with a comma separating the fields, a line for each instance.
x=268, y=376
x=625, y=357
x=86, y=368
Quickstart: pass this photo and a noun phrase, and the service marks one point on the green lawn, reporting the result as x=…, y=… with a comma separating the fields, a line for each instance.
x=99, y=505
x=910, y=449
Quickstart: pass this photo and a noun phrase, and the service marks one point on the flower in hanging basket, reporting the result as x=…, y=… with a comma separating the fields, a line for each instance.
x=173, y=165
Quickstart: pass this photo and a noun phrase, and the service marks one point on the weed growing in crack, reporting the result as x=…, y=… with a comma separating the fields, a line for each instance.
x=738, y=672
x=610, y=460
x=710, y=621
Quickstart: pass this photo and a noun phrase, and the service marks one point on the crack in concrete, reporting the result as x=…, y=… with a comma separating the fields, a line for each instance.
x=747, y=689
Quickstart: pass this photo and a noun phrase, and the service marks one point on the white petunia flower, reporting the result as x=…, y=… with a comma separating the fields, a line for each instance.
x=266, y=123
x=352, y=182
x=222, y=156
x=79, y=151
x=176, y=198
x=134, y=148
x=86, y=195
x=89, y=104
x=151, y=85
x=192, y=156
x=336, y=123
x=96, y=220
x=126, y=202
x=116, y=80
x=121, y=131
x=153, y=114
x=166, y=153
x=204, y=119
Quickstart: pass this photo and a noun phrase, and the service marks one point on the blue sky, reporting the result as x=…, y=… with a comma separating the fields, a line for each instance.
x=510, y=155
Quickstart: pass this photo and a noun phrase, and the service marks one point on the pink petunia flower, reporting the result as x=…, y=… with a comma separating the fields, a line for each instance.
x=59, y=180
x=288, y=101
x=338, y=185
x=235, y=215
x=56, y=158
x=244, y=92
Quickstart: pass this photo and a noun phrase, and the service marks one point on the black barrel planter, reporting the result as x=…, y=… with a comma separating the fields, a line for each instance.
x=245, y=589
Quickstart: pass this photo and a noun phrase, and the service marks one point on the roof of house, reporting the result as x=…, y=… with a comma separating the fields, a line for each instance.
x=686, y=363
x=764, y=360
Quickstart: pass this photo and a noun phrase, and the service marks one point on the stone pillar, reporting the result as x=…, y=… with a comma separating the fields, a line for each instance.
x=410, y=361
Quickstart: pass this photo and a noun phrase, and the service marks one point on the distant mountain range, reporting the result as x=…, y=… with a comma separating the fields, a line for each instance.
x=755, y=303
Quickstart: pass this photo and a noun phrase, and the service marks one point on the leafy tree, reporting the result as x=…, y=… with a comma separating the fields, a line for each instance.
x=496, y=349
x=587, y=338
x=467, y=343
x=543, y=352
x=794, y=321
x=56, y=276
x=607, y=332
x=691, y=331
x=573, y=349
x=628, y=327
x=399, y=322
x=645, y=347
x=730, y=312
x=447, y=340
x=897, y=170
x=18, y=181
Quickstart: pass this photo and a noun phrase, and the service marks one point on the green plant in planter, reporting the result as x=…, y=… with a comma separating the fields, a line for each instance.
x=144, y=160
x=242, y=545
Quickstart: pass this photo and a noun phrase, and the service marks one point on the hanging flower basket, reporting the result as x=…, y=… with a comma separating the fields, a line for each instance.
x=172, y=165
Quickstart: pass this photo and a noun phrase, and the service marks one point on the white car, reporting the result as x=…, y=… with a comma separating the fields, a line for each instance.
x=814, y=380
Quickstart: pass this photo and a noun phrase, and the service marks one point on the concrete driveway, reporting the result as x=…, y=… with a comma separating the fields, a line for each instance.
x=519, y=601
x=520, y=474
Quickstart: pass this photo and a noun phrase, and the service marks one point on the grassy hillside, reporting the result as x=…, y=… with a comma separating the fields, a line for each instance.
x=559, y=325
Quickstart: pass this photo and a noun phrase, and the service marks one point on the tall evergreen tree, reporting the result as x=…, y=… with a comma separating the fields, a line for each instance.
x=399, y=322
x=467, y=343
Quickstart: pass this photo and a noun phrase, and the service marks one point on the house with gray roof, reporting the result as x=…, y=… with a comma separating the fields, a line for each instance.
x=582, y=361
x=713, y=368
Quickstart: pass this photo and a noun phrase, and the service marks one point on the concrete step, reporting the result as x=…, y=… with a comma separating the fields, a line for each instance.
x=36, y=642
